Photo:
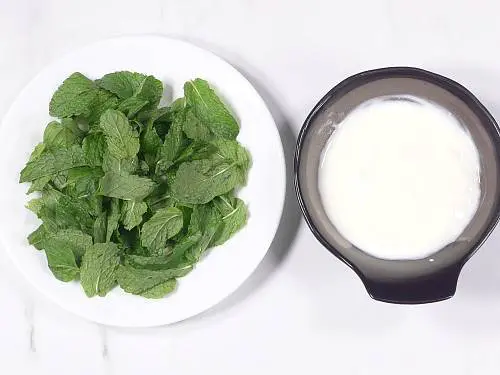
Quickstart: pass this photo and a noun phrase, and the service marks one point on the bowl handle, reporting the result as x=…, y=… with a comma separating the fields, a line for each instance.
x=432, y=288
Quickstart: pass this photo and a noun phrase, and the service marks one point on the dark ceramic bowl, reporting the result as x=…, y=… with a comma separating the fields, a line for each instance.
x=400, y=281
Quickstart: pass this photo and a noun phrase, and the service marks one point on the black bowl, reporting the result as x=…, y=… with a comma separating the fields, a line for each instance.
x=401, y=281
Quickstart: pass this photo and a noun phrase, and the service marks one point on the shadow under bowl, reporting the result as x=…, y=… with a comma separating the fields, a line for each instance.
x=435, y=277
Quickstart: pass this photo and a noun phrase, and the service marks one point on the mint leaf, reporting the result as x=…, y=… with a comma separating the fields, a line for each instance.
x=58, y=136
x=65, y=213
x=51, y=162
x=39, y=184
x=82, y=182
x=98, y=271
x=112, y=219
x=200, y=181
x=151, y=90
x=161, y=197
x=206, y=220
x=194, y=129
x=146, y=283
x=196, y=151
x=124, y=84
x=37, y=152
x=131, y=213
x=99, y=228
x=38, y=237
x=233, y=151
x=150, y=144
x=59, y=180
x=122, y=141
x=234, y=217
x=61, y=261
x=64, y=251
x=123, y=166
x=164, y=224
x=131, y=106
x=94, y=147
x=158, y=263
x=104, y=100
x=190, y=243
x=74, y=97
x=163, y=117
x=127, y=187
x=172, y=146
x=35, y=205
x=209, y=109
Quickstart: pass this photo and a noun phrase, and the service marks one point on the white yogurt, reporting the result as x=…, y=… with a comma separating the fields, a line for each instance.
x=399, y=179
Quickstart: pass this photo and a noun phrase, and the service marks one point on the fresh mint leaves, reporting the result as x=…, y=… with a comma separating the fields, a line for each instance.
x=131, y=194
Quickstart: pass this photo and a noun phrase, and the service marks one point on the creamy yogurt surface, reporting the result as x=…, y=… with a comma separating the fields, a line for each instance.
x=400, y=178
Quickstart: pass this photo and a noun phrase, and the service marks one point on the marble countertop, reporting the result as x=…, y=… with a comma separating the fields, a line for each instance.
x=302, y=311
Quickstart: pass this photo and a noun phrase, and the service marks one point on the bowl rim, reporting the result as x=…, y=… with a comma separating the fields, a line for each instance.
x=453, y=87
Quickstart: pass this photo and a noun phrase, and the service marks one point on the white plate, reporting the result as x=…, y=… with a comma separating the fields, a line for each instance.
x=226, y=267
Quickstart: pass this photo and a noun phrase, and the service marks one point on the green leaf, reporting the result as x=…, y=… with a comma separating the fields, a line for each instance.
x=112, y=219
x=39, y=184
x=150, y=145
x=146, y=283
x=124, y=84
x=164, y=224
x=60, y=179
x=35, y=205
x=67, y=212
x=82, y=182
x=66, y=248
x=163, y=117
x=94, y=147
x=74, y=97
x=132, y=106
x=99, y=228
x=196, y=151
x=158, y=263
x=104, y=100
x=59, y=211
x=38, y=237
x=232, y=151
x=209, y=109
x=61, y=261
x=161, y=197
x=58, y=136
x=234, y=217
x=190, y=243
x=206, y=220
x=98, y=271
x=200, y=181
x=122, y=166
x=37, y=152
x=194, y=129
x=172, y=146
x=151, y=90
x=50, y=163
x=131, y=213
x=122, y=141
x=73, y=125
x=127, y=187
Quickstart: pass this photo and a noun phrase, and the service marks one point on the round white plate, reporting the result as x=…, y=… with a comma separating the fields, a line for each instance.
x=225, y=267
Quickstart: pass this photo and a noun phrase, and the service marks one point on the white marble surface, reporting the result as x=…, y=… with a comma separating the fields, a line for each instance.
x=303, y=311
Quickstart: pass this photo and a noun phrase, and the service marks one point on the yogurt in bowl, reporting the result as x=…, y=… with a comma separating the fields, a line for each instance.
x=397, y=173
x=400, y=178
